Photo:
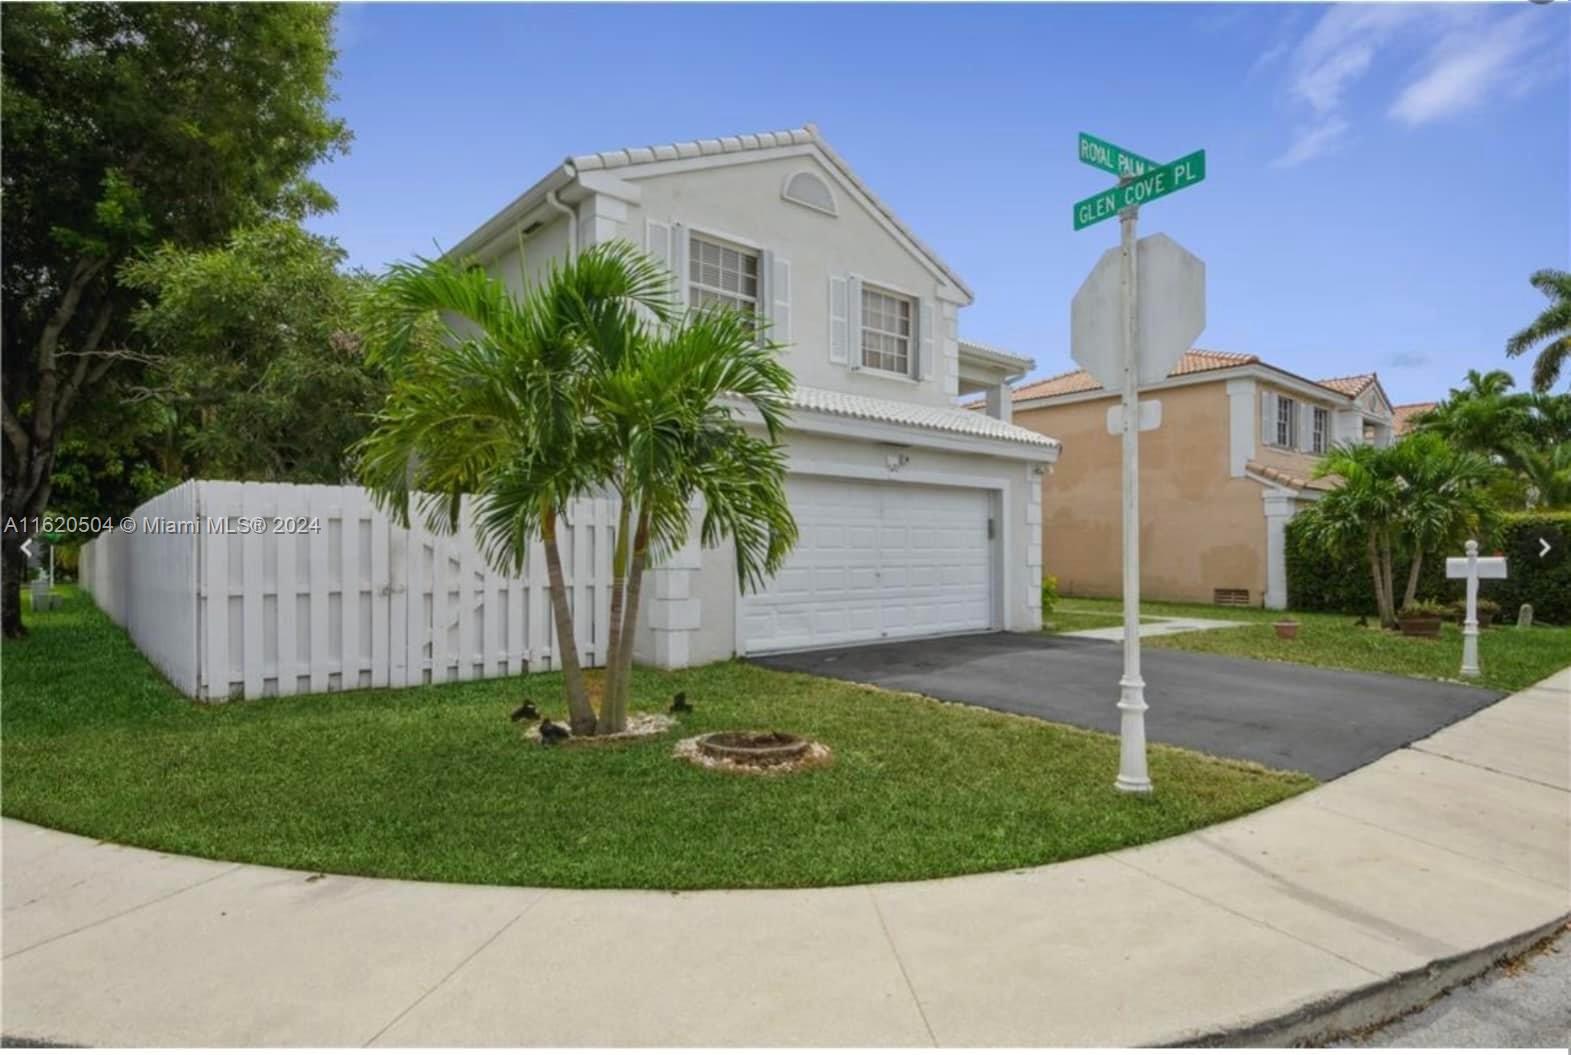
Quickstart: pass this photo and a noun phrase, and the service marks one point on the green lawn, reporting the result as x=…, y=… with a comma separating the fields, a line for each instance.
x=1065, y=618
x=436, y=783
x=1511, y=659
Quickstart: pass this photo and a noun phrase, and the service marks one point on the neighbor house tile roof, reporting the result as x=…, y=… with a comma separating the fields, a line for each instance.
x=1286, y=478
x=944, y=419
x=1196, y=361
x=738, y=144
x=1348, y=386
x=1404, y=413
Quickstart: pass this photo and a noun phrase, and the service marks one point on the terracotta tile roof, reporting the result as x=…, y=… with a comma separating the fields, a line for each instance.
x=1348, y=386
x=1404, y=413
x=1287, y=479
x=944, y=419
x=1196, y=361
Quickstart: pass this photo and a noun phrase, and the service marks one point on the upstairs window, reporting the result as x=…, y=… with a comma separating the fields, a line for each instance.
x=886, y=331
x=1286, y=422
x=721, y=275
x=1320, y=433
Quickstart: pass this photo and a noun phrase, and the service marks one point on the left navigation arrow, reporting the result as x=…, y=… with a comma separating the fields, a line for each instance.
x=25, y=551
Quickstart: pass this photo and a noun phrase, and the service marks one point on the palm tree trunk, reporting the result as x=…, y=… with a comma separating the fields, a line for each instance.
x=1412, y=578
x=1388, y=576
x=1382, y=602
x=635, y=586
x=581, y=717
x=611, y=698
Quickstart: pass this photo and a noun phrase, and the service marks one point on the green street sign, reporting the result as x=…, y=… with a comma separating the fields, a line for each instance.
x=1156, y=183
x=1099, y=153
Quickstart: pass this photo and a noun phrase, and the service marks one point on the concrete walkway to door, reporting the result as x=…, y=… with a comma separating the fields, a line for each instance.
x=1321, y=722
x=1345, y=905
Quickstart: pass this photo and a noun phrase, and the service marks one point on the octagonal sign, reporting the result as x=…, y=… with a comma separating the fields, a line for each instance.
x=1171, y=312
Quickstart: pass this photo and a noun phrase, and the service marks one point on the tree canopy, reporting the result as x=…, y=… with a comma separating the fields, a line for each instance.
x=126, y=127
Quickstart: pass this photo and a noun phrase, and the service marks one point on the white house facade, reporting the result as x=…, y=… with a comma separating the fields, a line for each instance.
x=917, y=518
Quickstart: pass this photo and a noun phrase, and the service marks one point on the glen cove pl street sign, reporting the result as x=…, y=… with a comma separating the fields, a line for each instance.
x=1156, y=183
x=1099, y=153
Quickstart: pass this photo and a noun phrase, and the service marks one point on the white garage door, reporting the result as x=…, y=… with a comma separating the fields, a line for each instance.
x=875, y=561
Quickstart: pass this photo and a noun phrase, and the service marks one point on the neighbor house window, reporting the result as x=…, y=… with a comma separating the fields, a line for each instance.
x=1322, y=431
x=1286, y=422
x=722, y=276
x=886, y=331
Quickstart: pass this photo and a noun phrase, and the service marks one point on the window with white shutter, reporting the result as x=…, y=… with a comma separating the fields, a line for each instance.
x=886, y=331
x=1286, y=422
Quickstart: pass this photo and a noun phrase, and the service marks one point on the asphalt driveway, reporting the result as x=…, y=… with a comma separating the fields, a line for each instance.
x=1321, y=722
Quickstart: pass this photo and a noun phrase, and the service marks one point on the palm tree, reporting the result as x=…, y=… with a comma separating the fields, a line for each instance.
x=1444, y=498
x=496, y=409
x=1360, y=514
x=1547, y=472
x=585, y=384
x=1553, y=325
x=669, y=406
x=1483, y=416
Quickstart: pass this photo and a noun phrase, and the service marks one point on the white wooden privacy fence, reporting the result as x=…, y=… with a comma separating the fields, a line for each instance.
x=251, y=589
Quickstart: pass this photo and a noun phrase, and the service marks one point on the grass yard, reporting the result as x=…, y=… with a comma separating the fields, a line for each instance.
x=1065, y=619
x=435, y=783
x=1510, y=659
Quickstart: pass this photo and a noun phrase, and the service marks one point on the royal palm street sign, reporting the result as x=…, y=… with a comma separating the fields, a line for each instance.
x=1156, y=183
x=1099, y=153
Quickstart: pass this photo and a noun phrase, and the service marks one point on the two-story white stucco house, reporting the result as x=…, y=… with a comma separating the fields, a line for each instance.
x=917, y=517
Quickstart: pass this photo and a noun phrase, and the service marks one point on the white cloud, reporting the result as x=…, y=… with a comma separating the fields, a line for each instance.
x=1447, y=57
x=1463, y=69
x=1312, y=141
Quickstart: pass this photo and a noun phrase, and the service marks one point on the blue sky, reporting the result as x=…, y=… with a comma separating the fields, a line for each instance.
x=1381, y=179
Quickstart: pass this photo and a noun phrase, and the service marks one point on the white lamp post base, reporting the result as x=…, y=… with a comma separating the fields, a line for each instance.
x=1132, y=774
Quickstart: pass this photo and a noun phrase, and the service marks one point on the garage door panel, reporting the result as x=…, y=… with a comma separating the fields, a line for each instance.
x=875, y=561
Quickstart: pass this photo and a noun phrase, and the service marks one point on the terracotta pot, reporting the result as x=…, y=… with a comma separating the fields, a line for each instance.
x=1420, y=626
x=1286, y=629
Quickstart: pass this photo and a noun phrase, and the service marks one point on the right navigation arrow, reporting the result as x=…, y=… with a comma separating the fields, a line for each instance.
x=1544, y=546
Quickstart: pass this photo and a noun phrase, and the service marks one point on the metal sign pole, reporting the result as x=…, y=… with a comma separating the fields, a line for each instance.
x=1132, y=774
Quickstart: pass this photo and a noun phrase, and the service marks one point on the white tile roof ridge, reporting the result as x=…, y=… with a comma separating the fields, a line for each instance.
x=922, y=415
x=736, y=144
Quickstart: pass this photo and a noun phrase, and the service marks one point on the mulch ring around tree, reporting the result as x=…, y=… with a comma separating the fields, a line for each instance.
x=753, y=751
x=640, y=726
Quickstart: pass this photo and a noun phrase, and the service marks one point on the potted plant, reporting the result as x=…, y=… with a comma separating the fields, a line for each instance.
x=1487, y=610
x=1286, y=629
x=1421, y=619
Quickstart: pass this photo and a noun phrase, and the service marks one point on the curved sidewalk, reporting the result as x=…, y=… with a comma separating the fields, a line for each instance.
x=1457, y=843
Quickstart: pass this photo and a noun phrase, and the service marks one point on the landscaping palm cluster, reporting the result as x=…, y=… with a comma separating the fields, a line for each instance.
x=589, y=382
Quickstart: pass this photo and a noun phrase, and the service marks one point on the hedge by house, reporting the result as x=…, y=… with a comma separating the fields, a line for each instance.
x=1318, y=583
x=1544, y=582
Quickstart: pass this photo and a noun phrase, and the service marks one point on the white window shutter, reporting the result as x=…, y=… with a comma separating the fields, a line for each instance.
x=780, y=298
x=679, y=262
x=854, y=319
x=925, y=342
x=839, y=319
x=1306, y=427
x=1268, y=418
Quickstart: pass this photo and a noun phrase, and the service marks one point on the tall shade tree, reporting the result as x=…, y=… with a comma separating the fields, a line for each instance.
x=1553, y=326
x=126, y=126
x=255, y=356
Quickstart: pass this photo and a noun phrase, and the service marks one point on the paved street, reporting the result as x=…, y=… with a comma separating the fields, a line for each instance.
x=1321, y=722
x=1524, y=1005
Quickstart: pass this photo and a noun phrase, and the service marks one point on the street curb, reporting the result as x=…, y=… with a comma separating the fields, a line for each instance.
x=1372, y=1005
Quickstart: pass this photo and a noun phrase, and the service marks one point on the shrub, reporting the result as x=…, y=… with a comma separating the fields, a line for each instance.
x=1543, y=582
x=1317, y=582
x=1049, y=594
x=1422, y=610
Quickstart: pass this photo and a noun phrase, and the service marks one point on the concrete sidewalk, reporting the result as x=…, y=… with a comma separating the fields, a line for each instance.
x=1459, y=842
x=1158, y=626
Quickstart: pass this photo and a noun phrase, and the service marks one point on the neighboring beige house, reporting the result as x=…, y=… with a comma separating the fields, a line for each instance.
x=1229, y=467
x=1404, y=413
